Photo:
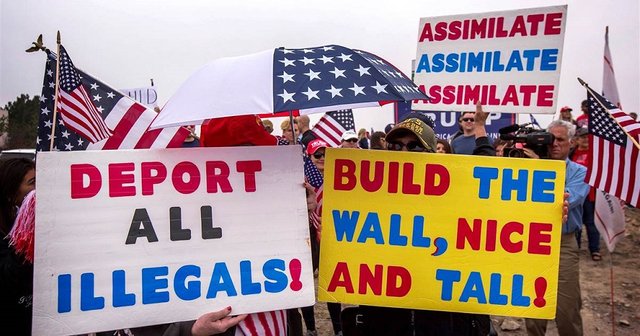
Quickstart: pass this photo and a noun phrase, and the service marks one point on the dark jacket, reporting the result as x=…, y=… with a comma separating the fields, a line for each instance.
x=16, y=290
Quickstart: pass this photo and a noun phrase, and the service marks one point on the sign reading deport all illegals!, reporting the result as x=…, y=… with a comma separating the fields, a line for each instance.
x=441, y=232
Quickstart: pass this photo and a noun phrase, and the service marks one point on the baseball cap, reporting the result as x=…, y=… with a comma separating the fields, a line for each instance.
x=582, y=131
x=236, y=131
x=316, y=144
x=565, y=109
x=348, y=135
x=418, y=127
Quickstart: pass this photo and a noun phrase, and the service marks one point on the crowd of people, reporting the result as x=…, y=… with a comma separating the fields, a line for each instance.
x=17, y=179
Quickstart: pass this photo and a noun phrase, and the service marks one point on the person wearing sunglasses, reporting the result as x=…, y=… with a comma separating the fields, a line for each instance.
x=465, y=142
x=349, y=140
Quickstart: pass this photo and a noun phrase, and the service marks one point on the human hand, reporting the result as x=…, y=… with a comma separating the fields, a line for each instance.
x=312, y=203
x=215, y=322
x=530, y=153
x=480, y=118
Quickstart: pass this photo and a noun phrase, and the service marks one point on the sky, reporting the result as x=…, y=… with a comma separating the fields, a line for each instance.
x=126, y=43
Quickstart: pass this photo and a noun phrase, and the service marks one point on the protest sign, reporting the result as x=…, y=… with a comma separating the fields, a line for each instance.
x=441, y=232
x=145, y=95
x=509, y=60
x=141, y=237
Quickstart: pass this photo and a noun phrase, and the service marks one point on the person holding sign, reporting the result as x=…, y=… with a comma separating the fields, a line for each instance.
x=568, y=316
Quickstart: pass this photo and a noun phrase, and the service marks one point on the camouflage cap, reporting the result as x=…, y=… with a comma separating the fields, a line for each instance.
x=418, y=127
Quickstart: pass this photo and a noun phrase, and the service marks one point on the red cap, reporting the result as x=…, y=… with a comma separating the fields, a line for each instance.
x=565, y=109
x=316, y=144
x=236, y=131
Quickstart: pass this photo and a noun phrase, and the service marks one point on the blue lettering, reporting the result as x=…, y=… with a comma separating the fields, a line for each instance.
x=517, y=299
x=418, y=239
x=423, y=65
x=514, y=61
x=120, y=296
x=497, y=66
x=371, y=229
x=473, y=288
x=151, y=285
x=247, y=286
x=549, y=59
x=485, y=175
x=543, y=182
x=452, y=62
x=88, y=300
x=475, y=61
x=531, y=56
x=277, y=279
x=437, y=63
x=64, y=293
x=494, y=290
x=187, y=290
x=448, y=277
x=395, y=237
x=220, y=281
x=519, y=185
x=345, y=224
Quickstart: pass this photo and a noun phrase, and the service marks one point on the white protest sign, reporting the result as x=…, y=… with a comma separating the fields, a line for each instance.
x=142, y=237
x=145, y=95
x=510, y=61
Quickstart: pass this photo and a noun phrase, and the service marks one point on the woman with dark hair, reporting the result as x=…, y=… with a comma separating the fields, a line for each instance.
x=443, y=147
x=378, y=141
x=17, y=179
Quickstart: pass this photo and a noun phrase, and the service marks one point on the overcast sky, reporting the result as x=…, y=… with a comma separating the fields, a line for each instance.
x=125, y=43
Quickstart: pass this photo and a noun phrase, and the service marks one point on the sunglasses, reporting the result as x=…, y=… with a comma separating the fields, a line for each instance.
x=318, y=155
x=468, y=119
x=352, y=140
x=413, y=146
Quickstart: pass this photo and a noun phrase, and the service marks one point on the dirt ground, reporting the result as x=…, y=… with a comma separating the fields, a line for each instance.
x=595, y=282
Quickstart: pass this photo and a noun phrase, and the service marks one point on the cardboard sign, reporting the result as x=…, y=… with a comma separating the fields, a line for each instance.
x=510, y=60
x=441, y=232
x=143, y=237
x=145, y=95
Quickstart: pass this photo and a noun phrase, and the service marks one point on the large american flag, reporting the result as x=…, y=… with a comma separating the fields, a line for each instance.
x=615, y=166
x=332, y=125
x=128, y=119
x=333, y=75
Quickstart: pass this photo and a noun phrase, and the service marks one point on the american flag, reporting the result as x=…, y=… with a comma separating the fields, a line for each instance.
x=128, y=119
x=615, y=166
x=335, y=76
x=75, y=106
x=332, y=124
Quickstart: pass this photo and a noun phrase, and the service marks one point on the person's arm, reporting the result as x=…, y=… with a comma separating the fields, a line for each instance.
x=576, y=187
x=483, y=146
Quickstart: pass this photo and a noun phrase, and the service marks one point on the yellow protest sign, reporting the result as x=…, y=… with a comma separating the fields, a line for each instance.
x=441, y=232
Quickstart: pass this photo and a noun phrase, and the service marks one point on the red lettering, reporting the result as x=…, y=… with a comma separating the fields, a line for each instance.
x=408, y=187
x=177, y=177
x=528, y=90
x=518, y=27
x=511, y=96
x=369, y=279
x=217, y=173
x=368, y=182
x=466, y=233
x=431, y=172
x=449, y=93
x=434, y=93
x=398, y=288
x=426, y=33
x=394, y=168
x=118, y=179
x=539, y=234
x=344, y=169
x=423, y=90
x=553, y=24
x=441, y=31
x=455, y=30
x=152, y=173
x=341, y=278
x=500, y=31
x=78, y=172
x=490, y=244
x=493, y=100
x=505, y=237
x=535, y=20
x=249, y=168
x=545, y=95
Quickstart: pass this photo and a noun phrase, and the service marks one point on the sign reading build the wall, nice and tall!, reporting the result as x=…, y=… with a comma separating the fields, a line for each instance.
x=141, y=237
x=510, y=61
x=441, y=232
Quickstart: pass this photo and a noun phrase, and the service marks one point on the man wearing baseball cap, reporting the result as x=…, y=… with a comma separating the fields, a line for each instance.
x=565, y=114
x=349, y=140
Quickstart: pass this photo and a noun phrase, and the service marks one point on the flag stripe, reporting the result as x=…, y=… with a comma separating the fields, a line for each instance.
x=80, y=121
x=124, y=126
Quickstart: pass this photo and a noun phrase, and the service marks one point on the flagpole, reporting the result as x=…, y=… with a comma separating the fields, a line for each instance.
x=583, y=83
x=55, y=96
